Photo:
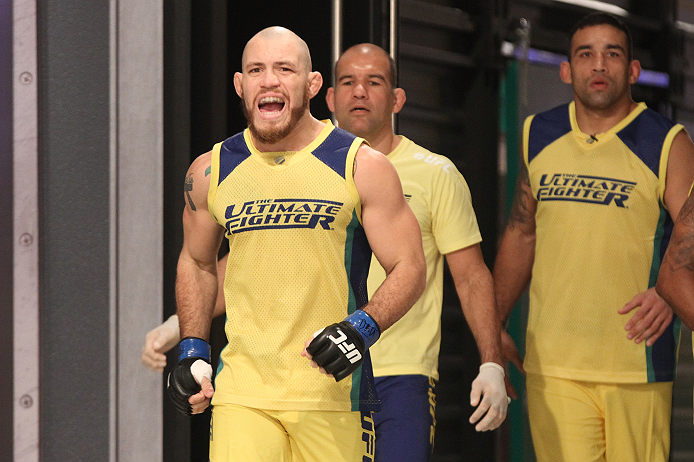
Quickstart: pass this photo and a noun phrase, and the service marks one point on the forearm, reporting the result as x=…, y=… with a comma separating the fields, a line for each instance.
x=512, y=270
x=476, y=295
x=399, y=291
x=677, y=288
x=679, y=294
x=196, y=293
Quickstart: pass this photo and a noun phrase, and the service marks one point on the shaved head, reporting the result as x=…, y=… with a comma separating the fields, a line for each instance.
x=276, y=84
x=280, y=34
x=365, y=95
x=369, y=50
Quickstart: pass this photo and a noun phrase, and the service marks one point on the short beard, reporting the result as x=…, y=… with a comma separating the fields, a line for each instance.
x=276, y=134
x=604, y=101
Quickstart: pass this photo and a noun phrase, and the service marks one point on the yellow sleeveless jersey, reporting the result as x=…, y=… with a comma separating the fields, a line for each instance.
x=602, y=229
x=298, y=262
x=440, y=199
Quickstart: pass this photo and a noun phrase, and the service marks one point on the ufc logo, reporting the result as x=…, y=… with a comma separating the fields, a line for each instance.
x=349, y=350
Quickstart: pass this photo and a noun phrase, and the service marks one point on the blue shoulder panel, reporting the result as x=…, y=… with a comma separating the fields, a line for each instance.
x=333, y=151
x=232, y=153
x=546, y=128
x=645, y=136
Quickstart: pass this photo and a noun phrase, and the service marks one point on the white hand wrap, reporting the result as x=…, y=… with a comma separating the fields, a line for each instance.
x=201, y=369
x=490, y=385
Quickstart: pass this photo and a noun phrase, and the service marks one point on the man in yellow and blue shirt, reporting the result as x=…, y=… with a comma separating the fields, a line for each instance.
x=405, y=359
x=602, y=179
x=299, y=203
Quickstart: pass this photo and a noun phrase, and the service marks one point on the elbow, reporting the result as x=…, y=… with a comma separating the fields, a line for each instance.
x=517, y=240
x=528, y=240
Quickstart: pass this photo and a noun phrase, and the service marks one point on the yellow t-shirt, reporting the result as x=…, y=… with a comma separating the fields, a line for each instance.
x=602, y=229
x=298, y=262
x=440, y=199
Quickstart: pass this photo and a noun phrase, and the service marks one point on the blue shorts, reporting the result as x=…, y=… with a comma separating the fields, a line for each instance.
x=405, y=425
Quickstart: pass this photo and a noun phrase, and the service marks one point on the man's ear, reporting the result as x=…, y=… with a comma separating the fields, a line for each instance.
x=315, y=82
x=237, y=84
x=399, y=99
x=330, y=99
x=565, y=72
x=634, y=71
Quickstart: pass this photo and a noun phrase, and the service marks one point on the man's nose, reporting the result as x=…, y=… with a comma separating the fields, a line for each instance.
x=269, y=79
x=599, y=63
x=359, y=91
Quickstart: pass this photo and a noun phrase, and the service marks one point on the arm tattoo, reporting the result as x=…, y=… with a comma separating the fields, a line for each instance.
x=680, y=252
x=188, y=187
x=520, y=212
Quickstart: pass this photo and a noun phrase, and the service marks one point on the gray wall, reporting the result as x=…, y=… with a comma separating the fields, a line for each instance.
x=545, y=90
x=74, y=196
x=90, y=76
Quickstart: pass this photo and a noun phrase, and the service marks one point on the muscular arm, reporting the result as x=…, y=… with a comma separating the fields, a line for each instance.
x=473, y=282
x=676, y=278
x=394, y=236
x=196, y=292
x=196, y=278
x=514, y=259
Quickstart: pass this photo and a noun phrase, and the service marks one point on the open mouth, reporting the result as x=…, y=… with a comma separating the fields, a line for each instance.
x=271, y=105
x=358, y=110
x=599, y=83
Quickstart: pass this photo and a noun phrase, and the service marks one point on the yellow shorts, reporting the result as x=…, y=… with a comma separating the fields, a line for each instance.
x=242, y=434
x=574, y=421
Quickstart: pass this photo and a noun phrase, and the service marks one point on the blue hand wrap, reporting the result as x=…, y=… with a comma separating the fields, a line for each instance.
x=192, y=347
x=366, y=326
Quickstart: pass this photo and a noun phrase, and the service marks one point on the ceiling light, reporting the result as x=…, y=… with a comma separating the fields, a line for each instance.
x=599, y=6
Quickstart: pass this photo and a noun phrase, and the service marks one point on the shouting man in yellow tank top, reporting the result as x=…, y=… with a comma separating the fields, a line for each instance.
x=303, y=204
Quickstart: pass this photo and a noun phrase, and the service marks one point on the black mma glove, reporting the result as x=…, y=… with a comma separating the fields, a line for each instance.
x=184, y=379
x=340, y=348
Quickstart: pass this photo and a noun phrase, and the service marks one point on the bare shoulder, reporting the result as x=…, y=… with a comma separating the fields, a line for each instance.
x=367, y=153
x=197, y=182
x=683, y=137
x=376, y=179
x=682, y=144
x=201, y=164
x=680, y=172
x=681, y=151
x=371, y=161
